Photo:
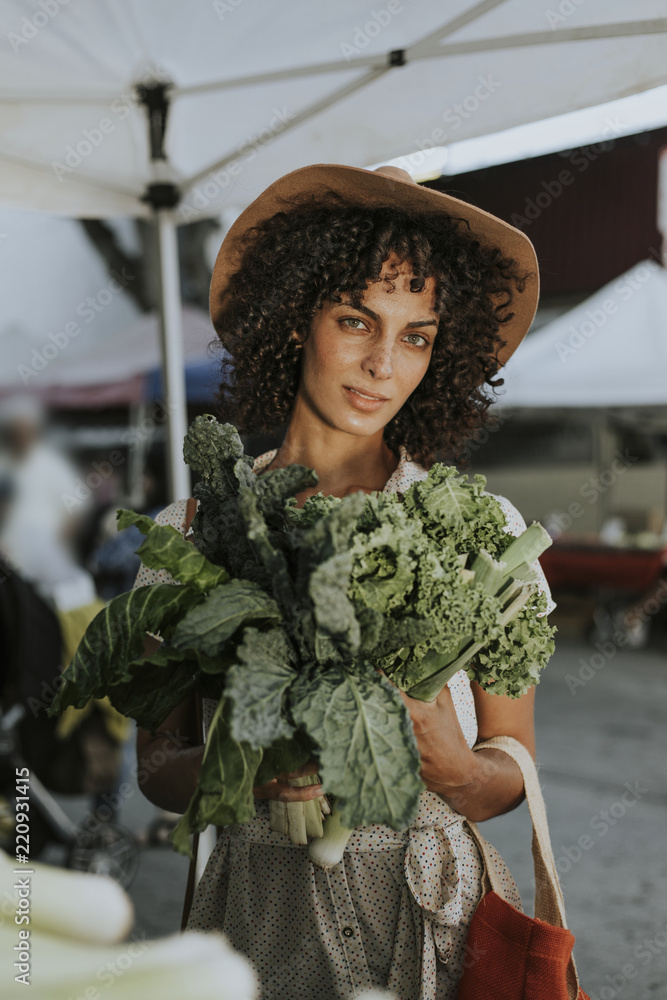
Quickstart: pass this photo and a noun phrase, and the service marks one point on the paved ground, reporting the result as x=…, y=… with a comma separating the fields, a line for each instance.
x=602, y=747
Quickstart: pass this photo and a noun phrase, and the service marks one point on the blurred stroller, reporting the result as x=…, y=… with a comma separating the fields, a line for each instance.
x=86, y=761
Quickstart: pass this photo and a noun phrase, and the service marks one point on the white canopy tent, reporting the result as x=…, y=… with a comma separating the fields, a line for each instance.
x=610, y=351
x=132, y=351
x=140, y=107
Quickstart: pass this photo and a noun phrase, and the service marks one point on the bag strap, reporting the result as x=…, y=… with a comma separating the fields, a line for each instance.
x=549, y=902
x=190, y=511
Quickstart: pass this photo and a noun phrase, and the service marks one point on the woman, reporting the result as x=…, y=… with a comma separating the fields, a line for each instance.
x=366, y=313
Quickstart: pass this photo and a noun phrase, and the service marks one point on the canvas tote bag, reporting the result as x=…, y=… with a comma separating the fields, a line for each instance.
x=521, y=957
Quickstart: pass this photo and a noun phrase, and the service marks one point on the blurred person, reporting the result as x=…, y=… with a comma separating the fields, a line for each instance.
x=38, y=531
x=37, y=536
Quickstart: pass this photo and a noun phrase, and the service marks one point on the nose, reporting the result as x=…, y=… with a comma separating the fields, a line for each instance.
x=378, y=362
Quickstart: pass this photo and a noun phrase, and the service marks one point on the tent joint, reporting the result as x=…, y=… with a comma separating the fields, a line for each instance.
x=161, y=194
x=397, y=57
x=155, y=98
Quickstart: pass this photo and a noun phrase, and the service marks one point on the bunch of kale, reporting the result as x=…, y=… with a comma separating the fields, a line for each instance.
x=286, y=617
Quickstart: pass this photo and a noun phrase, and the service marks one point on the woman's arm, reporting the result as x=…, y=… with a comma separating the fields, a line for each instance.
x=479, y=784
x=168, y=763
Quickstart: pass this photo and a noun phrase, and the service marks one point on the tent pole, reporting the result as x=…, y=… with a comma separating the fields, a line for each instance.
x=171, y=337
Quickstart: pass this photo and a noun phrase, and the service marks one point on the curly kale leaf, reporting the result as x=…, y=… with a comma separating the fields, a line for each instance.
x=454, y=510
x=513, y=662
x=212, y=450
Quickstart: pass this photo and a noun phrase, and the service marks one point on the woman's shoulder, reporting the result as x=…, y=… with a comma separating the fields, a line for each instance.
x=405, y=474
x=174, y=515
x=515, y=522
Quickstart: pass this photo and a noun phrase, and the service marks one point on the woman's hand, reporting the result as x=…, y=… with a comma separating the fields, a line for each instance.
x=448, y=764
x=279, y=789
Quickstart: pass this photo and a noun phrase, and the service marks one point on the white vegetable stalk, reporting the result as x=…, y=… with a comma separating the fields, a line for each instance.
x=79, y=905
x=67, y=946
x=328, y=851
x=299, y=820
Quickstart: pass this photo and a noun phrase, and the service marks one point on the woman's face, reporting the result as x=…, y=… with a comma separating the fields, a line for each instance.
x=381, y=350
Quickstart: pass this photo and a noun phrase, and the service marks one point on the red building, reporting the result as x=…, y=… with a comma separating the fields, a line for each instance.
x=590, y=212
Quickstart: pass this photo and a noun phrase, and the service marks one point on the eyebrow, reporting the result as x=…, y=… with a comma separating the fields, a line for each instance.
x=374, y=315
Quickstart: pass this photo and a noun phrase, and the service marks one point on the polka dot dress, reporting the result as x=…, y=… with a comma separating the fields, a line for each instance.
x=394, y=914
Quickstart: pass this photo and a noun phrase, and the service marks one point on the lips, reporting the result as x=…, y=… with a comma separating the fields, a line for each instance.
x=366, y=393
x=364, y=402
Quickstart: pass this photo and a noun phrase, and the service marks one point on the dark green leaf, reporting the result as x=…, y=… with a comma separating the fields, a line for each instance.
x=166, y=548
x=154, y=686
x=368, y=752
x=256, y=686
x=226, y=780
x=284, y=756
x=268, y=549
x=116, y=636
x=211, y=623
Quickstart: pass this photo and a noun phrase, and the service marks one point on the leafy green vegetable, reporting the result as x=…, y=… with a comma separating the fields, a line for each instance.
x=367, y=750
x=115, y=638
x=210, y=624
x=288, y=617
x=256, y=686
x=165, y=548
x=226, y=780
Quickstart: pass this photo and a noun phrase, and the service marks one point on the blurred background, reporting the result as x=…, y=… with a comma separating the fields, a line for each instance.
x=132, y=134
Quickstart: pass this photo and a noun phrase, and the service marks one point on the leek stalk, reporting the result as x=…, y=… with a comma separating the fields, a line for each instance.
x=328, y=851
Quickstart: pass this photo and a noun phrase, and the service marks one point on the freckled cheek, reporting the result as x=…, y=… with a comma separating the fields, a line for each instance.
x=410, y=375
x=328, y=363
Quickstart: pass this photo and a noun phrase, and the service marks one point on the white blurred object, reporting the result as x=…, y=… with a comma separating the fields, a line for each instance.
x=74, y=944
x=33, y=535
x=613, y=531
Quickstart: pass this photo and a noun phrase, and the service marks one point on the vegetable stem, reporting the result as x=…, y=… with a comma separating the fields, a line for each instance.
x=328, y=851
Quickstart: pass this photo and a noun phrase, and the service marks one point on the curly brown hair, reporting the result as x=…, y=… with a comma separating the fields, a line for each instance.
x=312, y=252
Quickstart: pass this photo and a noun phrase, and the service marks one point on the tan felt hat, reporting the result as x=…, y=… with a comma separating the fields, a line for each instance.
x=385, y=186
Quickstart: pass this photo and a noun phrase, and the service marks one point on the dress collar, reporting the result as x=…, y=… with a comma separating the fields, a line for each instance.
x=262, y=461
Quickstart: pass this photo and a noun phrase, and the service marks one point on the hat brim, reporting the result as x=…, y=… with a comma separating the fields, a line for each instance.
x=371, y=189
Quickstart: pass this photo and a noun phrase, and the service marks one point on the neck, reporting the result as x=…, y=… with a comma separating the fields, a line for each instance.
x=343, y=461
